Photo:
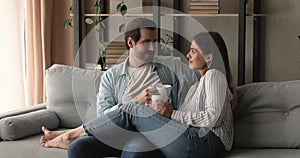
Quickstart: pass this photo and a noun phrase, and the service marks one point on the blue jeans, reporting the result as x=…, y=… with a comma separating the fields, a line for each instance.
x=91, y=147
x=171, y=138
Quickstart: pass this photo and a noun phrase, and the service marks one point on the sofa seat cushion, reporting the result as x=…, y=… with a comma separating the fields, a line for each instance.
x=71, y=93
x=264, y=153
x=19, y=126
x=29, y=147
x=268, y=115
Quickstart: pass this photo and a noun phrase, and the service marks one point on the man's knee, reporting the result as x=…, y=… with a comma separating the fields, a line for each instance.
x=73, y=149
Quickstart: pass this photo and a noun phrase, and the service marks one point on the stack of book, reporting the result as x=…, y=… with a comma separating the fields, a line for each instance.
x=204, y=6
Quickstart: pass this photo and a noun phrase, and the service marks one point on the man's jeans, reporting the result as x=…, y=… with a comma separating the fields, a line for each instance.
x=172, y=138
x=91, y=147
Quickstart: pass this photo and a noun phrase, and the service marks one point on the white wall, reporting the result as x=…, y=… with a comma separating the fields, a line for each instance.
x=280, y=43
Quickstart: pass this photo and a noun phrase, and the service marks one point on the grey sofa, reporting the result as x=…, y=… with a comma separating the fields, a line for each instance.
x=266, y=120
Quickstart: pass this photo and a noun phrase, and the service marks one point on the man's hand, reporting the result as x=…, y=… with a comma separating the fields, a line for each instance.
x=235, y=99
x=144, y=97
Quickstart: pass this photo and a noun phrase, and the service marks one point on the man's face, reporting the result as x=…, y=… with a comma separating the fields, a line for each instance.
x=144, y=48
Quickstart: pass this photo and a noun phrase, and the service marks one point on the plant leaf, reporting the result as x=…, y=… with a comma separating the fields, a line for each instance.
x=123, y=9
x=119, y=7
x=70, y=10
x=89, y=21
x=122, y=28
x=101, y=47
x=66, y=24
x=100, y=26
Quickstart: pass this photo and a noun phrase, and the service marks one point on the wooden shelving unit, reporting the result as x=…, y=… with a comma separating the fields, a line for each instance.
x=176, y=21
x=178, y=15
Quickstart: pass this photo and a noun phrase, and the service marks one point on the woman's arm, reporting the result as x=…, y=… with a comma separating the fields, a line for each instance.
x=215, y=85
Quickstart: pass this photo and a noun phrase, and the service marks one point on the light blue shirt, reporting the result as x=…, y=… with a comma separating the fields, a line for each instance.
x=115, y=80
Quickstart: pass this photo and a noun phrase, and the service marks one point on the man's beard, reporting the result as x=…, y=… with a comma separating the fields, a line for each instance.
x=149, y=55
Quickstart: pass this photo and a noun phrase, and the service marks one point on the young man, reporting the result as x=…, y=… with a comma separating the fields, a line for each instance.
x=129, y=81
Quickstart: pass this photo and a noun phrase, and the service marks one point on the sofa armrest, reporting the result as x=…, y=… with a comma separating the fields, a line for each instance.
x=27, y=124
x=23, y=110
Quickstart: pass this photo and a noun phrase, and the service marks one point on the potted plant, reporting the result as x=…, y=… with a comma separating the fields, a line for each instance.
x=165, y=48
x=99, y=26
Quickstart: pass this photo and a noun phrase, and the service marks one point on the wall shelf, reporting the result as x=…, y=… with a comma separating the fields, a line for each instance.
x=241, y=17
x=178, y=15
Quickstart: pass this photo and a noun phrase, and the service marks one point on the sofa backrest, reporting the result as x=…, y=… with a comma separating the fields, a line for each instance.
x=71, y=93
x=268, y=115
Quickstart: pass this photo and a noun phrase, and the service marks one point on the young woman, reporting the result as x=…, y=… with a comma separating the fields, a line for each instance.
x=201, y=127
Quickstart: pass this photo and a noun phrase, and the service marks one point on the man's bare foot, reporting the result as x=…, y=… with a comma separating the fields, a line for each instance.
x=63, y=140
x=52, y=134
x=60, y=141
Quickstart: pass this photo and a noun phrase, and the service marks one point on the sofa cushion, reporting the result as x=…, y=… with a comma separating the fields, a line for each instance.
x=264, y=153
x=71, y=93
x=29, y=147
x=19, y=126
x=268, y=115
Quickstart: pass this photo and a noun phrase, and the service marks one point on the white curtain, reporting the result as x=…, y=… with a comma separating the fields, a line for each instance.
x=11, y=54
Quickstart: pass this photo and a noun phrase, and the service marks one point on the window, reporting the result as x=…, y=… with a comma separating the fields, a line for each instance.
x=11, y=55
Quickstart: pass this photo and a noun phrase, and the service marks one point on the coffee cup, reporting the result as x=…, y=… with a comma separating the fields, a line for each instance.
x=158, y=101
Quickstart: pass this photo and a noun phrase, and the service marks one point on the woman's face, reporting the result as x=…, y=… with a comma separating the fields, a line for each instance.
x=195, y=57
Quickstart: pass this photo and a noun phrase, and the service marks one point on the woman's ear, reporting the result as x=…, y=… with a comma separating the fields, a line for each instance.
x=130, y=42
x=208, y=58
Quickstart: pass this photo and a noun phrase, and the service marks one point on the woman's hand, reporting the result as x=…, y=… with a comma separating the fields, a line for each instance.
x=144, y=97
x=166, y=111
x=162, y=108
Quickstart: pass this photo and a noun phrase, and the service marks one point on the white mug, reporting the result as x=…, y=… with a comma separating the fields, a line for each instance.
x=158, y=101
x=164, y=89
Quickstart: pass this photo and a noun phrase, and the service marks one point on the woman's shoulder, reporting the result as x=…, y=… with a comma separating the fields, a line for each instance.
x=214, y=73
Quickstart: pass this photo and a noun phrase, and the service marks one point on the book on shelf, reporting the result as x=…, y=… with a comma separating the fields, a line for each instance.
x=202, y=3
x=205, y=7
x=204, y=11
x=203, y=0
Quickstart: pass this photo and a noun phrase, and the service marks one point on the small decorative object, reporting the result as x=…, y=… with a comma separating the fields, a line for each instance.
x=102, y=62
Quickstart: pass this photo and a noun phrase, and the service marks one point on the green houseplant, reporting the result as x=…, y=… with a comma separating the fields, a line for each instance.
x=165, y=48
x=99, y=26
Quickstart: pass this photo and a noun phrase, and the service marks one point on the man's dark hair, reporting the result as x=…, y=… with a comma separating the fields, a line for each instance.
x=133, y=29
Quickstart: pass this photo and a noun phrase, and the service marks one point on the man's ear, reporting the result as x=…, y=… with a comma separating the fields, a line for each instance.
x=130, y=42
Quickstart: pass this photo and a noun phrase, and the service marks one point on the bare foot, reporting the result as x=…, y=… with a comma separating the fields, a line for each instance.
x=60, y=141
x=52, y=134
x=63, y=140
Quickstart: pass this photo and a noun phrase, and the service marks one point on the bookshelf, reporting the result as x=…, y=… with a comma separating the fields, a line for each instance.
x=241, y=15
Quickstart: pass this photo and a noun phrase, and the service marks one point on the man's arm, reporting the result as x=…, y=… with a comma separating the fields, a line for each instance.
x=106, y=97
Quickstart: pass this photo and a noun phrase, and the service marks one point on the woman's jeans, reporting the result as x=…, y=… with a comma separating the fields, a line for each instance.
x=171, y=138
